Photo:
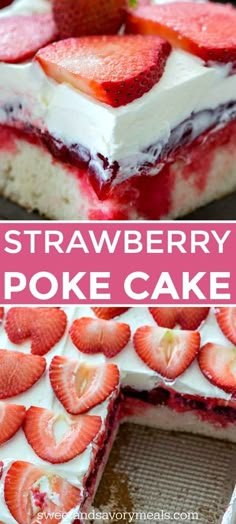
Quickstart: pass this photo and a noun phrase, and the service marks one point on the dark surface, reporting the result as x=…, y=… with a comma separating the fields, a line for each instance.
x=224, y=209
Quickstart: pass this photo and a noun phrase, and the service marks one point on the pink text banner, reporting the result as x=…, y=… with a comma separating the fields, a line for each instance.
x=97, y=263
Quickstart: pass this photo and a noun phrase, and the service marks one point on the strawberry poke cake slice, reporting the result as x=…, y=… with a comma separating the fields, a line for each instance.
x=69, y=377
x=138, y=125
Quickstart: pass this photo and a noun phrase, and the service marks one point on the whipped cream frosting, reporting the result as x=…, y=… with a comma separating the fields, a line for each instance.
x=134, y=373
x=120, y=134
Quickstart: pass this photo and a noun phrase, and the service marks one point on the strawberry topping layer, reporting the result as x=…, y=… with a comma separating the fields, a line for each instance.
x=205, y=29
x=80, y=387
x=25, y=494
x=11, y=419
x=168, y=352
x=112, y=69
x=41, y=427
x=22, y=36
x=45, y=327
x=91, y=335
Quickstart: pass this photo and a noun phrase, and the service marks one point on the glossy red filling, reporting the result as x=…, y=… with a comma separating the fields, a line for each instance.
x=145, y=196
x=215, y=411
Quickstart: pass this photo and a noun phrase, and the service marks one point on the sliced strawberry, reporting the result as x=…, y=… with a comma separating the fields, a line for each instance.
x=18, y=372
x=164, y=317
x=108, y=313
x=226, y=318
x=192, y=26
x=40, y=428
x=1, y=468
x=80, y=387
x=113, y=69
x=188, y=318
x=92, y=335
x=45, y=326
x=1, y=313
x=218, y=364
x=11, y=418
x=30, y=490
x=5, y=3
x=22, y=36
x=168, y=352
x=88, y=17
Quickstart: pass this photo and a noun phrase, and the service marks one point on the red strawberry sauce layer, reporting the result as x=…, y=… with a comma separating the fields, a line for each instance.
x=147, y=196
x=208, y=410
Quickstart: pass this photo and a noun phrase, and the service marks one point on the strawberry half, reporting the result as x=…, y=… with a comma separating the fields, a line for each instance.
x=226, y=318
x=113, y=69
x=108, y=313
x=88, y=17
x=94, y=335
x=218, y=364
x=18, y=372
x=80, y=387
x=45, y=327
x=1, y=313
x=11, y=419
x=192, y=26
x=22, y=36
x=189, y=318
x=25, y=494
x=168, y=352
x=40, y=430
